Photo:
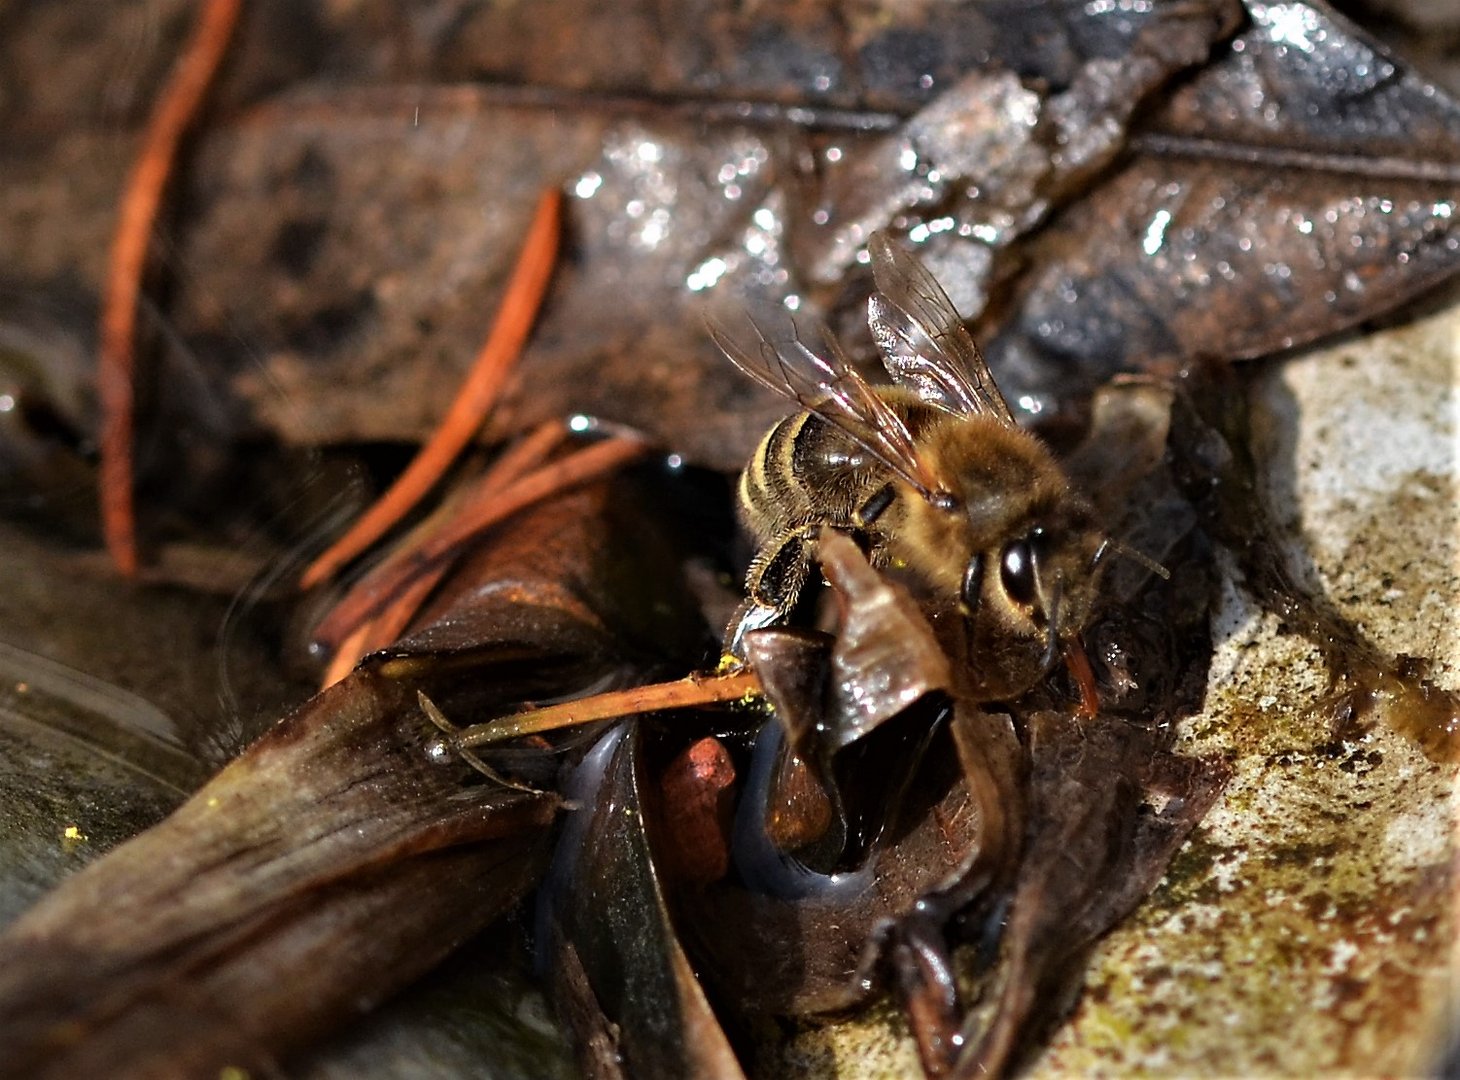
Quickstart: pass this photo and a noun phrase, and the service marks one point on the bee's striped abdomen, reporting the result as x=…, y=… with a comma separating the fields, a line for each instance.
x=773, y=497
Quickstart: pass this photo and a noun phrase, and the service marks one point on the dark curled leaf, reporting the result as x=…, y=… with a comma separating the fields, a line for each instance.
x=583, y=593
x=783, y=938
x=885, y=658
x=618, y=968
x=794, y=668
x=832, y=691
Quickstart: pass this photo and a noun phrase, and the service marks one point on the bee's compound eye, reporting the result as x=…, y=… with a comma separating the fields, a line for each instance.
x=973, y=582
x=1016, y=571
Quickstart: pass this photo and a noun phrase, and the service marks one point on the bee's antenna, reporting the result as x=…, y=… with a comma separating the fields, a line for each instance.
x=1110, y=544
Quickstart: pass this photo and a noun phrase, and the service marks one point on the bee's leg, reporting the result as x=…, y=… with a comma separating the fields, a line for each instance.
x=748, y=616
x=773, y=585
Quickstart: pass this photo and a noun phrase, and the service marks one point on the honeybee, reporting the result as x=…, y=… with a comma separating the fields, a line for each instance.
x=931, y=473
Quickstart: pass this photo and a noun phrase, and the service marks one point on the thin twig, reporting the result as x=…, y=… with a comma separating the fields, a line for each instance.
x=658, y=697
x=176, y=110
x=515, y=317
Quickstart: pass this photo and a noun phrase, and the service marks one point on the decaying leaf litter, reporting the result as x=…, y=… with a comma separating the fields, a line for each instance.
x=778, y=193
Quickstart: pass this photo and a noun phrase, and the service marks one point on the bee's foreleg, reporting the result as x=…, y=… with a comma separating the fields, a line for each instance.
x=773, y=585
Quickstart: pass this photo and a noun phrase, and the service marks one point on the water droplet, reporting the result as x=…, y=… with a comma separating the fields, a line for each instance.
x=706, y=274
x=1156, y=232
x=588, y=185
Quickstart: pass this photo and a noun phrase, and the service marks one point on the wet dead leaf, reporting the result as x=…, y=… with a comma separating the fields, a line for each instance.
x=341, y=856
x=1300, y=183
x=346, y=238
x=181, y=949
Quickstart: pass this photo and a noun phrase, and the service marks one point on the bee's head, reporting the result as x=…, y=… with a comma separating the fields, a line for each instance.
x=1010, y=547
x=1027, y=596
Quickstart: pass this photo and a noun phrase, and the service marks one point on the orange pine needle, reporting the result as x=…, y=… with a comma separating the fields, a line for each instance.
x=658, y=697
x=515, y=317
x=385, y=629
x=176, y=110
x=475, y=517
x=523, y=456
x=344, y=661
x=509, y=466
x=396, y=616
x=478, y=515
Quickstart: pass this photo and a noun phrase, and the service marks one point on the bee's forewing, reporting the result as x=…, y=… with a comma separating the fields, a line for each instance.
x=824, y=382
x=924, y=343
